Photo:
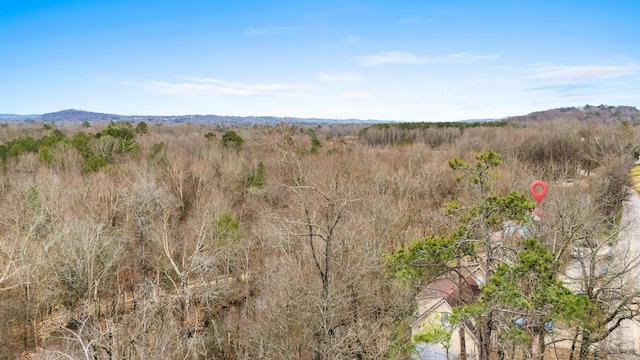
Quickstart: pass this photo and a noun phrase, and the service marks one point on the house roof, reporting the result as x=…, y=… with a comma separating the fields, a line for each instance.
x=454, y=293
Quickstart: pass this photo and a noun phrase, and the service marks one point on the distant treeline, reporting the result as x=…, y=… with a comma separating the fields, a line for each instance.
x=447, y=124
x=431, y=133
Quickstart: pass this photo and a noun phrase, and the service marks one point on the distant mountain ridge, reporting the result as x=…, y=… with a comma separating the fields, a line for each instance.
x=16, y=117
x=77, y=115
x=81, y=115
x=601, y=113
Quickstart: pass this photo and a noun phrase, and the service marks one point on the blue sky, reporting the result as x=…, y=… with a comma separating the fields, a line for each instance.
x=389, y=60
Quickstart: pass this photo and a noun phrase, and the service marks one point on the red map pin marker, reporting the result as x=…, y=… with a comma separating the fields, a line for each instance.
x=543, y=190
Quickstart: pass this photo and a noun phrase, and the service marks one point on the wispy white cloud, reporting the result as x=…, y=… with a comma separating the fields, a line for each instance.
x=465, y=57
x=558, y=85
x=268, y=29
x=389, y=57
x=351, y=39
x=211, y=86
x=188, y=89
x=583, y=72
x=410, y=19
x=402, y=57
x=566, y=91
x=346, y=77
x=243, y=86
x=355, y=95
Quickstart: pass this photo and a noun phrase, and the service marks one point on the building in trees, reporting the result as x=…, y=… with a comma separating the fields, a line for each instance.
x=434, y=322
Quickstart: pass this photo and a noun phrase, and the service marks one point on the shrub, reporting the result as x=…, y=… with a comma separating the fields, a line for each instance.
x=93, y=164
x=142, y=128
x=256, y=177
x=123, y=131
x=231, y=138
x=45, y=156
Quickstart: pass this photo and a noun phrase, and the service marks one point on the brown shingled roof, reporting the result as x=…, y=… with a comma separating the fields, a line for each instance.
x=443, y=287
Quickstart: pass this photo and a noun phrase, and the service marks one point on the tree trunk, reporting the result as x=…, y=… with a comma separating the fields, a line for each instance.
x=573, y=345
x=485, y=339
x=463, y=344
x=27, y=324
x=584, y=346
x=541, y=346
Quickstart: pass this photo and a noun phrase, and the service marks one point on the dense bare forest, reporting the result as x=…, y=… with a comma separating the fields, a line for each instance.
x=166, y=241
